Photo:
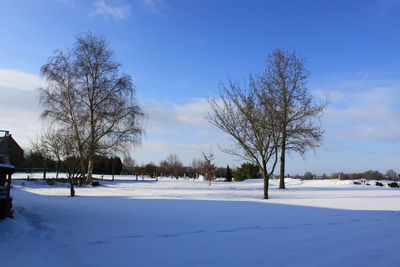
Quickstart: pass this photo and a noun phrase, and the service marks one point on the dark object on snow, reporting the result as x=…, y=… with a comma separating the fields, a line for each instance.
x=393, y=184
x=378, y=184
x=95, y=184
x=228, y=174
x=355, y=182
x=5, y=176
x=51, y=182
x=5, y=186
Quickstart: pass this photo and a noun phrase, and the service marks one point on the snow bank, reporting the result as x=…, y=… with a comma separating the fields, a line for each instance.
x=188, y=223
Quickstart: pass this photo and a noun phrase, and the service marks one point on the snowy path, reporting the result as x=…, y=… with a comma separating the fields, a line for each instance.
x=186, y=223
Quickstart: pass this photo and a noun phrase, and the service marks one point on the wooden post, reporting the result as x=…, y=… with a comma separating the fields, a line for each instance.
x=113, y=168
x=8, y=200
x=57, y=169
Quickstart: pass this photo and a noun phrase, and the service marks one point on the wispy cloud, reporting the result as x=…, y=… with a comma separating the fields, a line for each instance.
x=167, y=117
x=180, y=129
x=116, y=9
x=111, y=10
x=385, y=5
x=68, y=3
x=155, y=151
x=367, y=109
x=155, y=6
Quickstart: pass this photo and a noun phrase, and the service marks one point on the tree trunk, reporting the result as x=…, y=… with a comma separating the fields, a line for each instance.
x=57, y=170
x=71, y=183
x=282, y=161
x=113, y=169
x=266, y=185
x=90, y=170
x=82, y=170
x=266, y=180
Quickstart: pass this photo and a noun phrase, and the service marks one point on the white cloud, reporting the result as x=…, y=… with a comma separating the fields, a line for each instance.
x=166, y=117
x=18, y=80
x=180, y=129
x=113, y=10
x=19, y=105
x=155, y=151
x=171, y=127
x=365, y=109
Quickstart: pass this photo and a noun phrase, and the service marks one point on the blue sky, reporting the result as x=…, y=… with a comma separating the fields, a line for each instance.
x=178, y=51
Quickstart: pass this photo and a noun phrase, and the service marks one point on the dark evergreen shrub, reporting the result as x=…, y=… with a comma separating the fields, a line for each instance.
x=246, y=171
x=51, y=182
x=94, y=183
x=228, y=174
x=393, y=184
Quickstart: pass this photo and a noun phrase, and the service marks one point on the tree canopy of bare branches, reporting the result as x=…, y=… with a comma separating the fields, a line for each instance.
x=297, y=112
x=60, y=146
x=87, y=95
x=171, y=165
x=246, y=112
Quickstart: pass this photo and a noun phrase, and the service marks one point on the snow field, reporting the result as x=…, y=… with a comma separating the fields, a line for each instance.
x=188, y=223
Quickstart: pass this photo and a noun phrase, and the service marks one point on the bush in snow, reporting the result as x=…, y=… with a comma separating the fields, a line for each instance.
x=308, y=176
x=228, y=174
x=95, y=183
x=393, y=184
x=51, y=182
x=378, y=184
x=373, y=175
x=246, y=171
x=391, y=175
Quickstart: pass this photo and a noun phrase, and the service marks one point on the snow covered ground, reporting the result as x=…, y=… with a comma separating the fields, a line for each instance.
x=188, y=223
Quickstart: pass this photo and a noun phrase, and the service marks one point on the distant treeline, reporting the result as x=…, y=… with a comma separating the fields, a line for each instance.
x=154, y=170
x=370, y=175
x=172, y=166
x=35, y=161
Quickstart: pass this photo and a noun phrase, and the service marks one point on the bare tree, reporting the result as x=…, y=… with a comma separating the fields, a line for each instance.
x=86, y=90
x=151, y=169
x=308, y=176
x=62, y=104
x=197, y=166
x=209, y=167
x=164, y=168
x=246, y=113
x=285, y=78
x=173, y=165
x=60, y=146
x=391, y=174
x=128, y=164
